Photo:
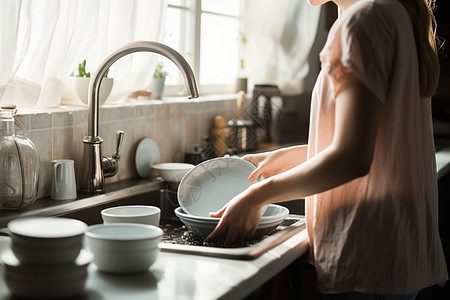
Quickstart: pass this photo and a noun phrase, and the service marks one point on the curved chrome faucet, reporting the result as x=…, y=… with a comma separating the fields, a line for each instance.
x=95, y=167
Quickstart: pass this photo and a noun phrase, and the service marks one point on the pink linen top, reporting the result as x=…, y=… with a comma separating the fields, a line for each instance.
x=377, y=233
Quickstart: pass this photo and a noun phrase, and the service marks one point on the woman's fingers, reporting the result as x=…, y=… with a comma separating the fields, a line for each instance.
x=254, y=175
x=220, y=230
x=258, y=163
x=217, y=214
x=250, y=235
x=234, y=235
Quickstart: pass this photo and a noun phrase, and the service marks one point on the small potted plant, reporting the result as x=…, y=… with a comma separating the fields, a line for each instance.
x=158, y=81
x=82, y=80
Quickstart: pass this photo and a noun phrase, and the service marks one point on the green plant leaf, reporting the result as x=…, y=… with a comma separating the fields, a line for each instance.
x=159, y=71
x=82, y=70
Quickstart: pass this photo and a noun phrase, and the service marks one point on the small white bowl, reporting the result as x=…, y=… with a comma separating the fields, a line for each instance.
x=142, y=214
x=173, y=172
x=123, y=248
x=82, y=88
x=46, y=240
x=47, y=282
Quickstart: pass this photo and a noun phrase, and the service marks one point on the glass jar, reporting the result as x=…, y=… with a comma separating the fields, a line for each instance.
x=19, y=166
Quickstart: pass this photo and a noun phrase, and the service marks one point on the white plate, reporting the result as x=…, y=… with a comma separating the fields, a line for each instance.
x=147, y=153
x=273, y=213
x=211, y=184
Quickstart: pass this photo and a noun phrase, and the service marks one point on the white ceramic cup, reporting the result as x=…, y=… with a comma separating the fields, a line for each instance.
x=141, y=214
x=64, y=185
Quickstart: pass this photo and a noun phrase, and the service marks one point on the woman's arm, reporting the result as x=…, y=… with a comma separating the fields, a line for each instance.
x=275, y=162
x=348, y=156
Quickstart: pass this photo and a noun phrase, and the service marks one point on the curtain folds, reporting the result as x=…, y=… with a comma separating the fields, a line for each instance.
x=42, y=42
x=280, y=35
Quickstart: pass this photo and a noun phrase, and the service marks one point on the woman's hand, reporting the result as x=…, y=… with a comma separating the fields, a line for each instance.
x=275, y=162
x=240, y=216
x=239, y=219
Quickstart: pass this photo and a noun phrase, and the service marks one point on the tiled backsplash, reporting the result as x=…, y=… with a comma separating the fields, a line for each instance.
x=176, y=125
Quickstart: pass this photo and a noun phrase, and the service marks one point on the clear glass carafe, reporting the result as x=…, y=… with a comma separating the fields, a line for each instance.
x=19, y=166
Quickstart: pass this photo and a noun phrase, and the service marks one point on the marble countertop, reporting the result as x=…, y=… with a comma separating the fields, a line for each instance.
x=185, y=276
x=173, y=275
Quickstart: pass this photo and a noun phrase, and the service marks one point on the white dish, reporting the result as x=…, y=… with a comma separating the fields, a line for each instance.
x=147, y=153
x=54, y=282
x=273, y=213
x=203, y=226
x=173, y=172
x=123, y=248
x=210, y=185
x=142, y=214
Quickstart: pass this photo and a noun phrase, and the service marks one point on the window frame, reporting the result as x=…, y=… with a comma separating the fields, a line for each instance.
x=195, y=9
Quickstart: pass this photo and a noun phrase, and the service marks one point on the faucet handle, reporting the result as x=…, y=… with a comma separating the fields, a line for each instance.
x=119, y=139
x=110, y=165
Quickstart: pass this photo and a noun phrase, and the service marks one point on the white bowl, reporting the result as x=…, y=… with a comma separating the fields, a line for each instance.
x=46, y=240
x=123, y=248
x=203, y=226
x=82, y=88
x=211, y=184
x=173, y=172
x=49, y=282
x=143, y=214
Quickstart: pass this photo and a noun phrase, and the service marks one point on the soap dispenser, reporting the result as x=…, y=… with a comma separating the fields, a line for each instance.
x=19, y=165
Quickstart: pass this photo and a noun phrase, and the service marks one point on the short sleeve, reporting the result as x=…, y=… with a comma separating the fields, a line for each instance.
x=361, y=41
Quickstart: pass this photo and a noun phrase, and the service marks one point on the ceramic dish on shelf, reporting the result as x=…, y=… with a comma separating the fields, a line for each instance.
x=211, y=184
x=203, y=226
x=147, y=153
x=173, y=172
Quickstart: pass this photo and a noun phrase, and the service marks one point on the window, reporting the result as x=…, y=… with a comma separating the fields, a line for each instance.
x=206, y=33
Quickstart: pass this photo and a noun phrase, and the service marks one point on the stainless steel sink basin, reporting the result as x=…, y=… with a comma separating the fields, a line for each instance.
x=181, y=242
x=177, y=238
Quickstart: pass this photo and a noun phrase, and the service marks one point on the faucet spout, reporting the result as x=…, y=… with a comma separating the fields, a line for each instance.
x=92, y=176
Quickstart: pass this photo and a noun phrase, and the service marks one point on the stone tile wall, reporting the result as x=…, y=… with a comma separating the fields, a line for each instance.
x=176, y=125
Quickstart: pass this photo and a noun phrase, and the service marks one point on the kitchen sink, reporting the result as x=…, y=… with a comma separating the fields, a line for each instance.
x=177, y=238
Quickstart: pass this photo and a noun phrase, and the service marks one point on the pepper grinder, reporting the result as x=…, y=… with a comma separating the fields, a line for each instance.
x=220, y=133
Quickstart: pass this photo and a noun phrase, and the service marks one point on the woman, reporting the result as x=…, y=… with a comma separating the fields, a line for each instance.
x=368, y=172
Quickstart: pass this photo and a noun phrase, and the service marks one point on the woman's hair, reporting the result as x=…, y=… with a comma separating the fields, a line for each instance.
x=424, y=24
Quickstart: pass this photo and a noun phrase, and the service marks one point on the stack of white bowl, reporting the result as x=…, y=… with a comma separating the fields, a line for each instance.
x=127, y=241
x=203, y=226
x=46, y=258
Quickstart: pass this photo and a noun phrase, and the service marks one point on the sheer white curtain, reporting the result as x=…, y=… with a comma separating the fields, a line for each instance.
x=42, y=42
x=280, y=34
